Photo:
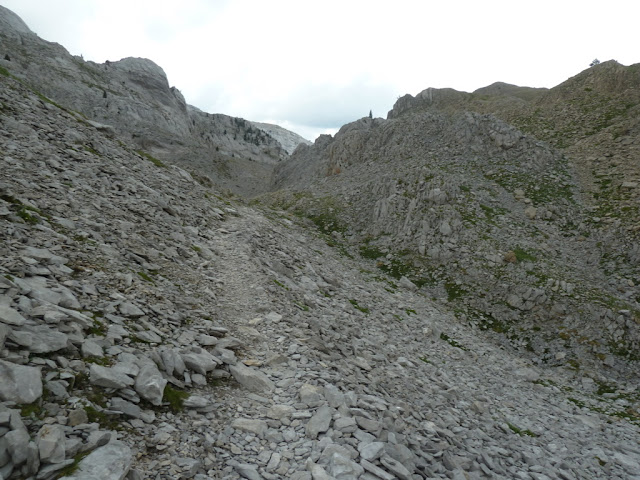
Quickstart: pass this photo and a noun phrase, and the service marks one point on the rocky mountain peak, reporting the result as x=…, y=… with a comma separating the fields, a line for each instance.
x=12, y=24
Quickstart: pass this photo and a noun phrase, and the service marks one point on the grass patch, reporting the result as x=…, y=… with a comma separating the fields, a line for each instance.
x=70, y=469
x=175, y=398
x=372, y=253
x=355, y=305
x=452, y=342
x=146, y=277
x=151, y=158
x=105, y=421
x=454, y=291
x=521, y=432
x=522, y=255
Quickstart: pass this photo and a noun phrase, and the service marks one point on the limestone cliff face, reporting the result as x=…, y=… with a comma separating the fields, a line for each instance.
x=133, y=96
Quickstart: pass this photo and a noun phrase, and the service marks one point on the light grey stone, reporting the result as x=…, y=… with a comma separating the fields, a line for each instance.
x=40, y=339
x=311, y=395
x=395, y=467
x=109, y=377
x=278, y=412
x=128, y=408
x=319, y=422
x=343, y=468
x=109, y=462
x=333, y=395
x=150, y=384
x=19, y=383
x=259, y=427
x=17, y=442
x=245, y=470
x=51, y=444
x=10, y=316
x=200, y=361
x=371, y=451
x=196, y=402
x=90, y=348
x=128, y=309
x=251, y=379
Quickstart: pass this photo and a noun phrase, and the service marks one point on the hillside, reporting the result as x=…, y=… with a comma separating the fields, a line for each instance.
x=132, y=97
x=426, y=296
x=493, y=221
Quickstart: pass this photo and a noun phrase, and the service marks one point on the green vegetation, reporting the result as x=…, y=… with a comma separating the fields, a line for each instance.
x=145, y=277
x=523, y=256
x=454, y=291
x=24, y=211
x=370, y=252
x=175, y=398
x=70, y=469
x=452, y=342
x=151, y=158
x=280, y=284
x=105, y=421
x=521, y=432
x=355, y=305
x=5, y=72
x=32, y=409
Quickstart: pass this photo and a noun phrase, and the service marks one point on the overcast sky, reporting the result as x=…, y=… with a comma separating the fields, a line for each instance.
x=312, y=66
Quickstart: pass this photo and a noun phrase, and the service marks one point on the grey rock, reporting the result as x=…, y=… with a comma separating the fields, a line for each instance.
x=128, y=408
x=150, y=384
x=77, y=417
x=259, y=427
x=278, y=412
x=130, y=310
x=51, y=444
x=20, y=384
x=250, y=472
x=251, y=379
x=376, y=471
x=319, y=422
x=343, y=468
x=200, y=361
x=395, y=467
x=109, y=462
x=9, y=316
x=40, y=339
x=196, y=402
x=17, y=442
x=109, y=377
x=91, y=349
x=311, y=395
x=371, y=451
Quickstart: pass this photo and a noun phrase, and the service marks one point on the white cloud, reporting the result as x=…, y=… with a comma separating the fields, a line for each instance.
x=316, y=64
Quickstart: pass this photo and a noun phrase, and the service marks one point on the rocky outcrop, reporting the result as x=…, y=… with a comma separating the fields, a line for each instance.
x=288, y=139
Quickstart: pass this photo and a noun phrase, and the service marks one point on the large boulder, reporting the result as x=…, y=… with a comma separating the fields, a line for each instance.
x=19, y=383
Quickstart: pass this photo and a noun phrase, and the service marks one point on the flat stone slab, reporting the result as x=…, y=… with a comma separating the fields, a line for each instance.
x=109, y=462
x=19, y=383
